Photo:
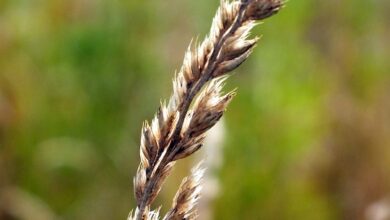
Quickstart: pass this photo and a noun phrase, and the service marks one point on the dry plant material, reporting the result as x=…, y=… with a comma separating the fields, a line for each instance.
x=196, y=105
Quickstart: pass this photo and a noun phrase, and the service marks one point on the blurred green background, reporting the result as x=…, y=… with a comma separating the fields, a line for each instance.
x=307, y=137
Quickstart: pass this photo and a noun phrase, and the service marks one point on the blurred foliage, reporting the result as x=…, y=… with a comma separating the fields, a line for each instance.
x=307, y=135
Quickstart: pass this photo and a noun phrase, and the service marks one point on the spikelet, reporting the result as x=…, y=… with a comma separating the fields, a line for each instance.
x=208, y=108
x=196, y=59
x=187, y=196
x=154, y=140
x=196, y=104
x=162, y=175
x=261, y=9
x=148, y=215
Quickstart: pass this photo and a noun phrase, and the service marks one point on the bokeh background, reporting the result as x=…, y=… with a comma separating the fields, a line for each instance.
x=307, y=137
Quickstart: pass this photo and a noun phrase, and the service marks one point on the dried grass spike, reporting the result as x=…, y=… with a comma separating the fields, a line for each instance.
x=196, y=104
